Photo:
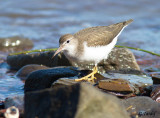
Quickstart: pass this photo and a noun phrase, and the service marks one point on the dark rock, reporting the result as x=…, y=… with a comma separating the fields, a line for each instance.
x=154, y=73
x=156, y=79
x=146, y=91
x=76, y=101
x=24, y=71
x=1, y=104
x=17, y=101
x=16, y=43
x=42, y=79
x=143, y=107
x=41, y=58
x=2, y=111
x=119, y=59
x=155, y=94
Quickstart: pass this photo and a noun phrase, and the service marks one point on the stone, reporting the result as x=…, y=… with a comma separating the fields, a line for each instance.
x=26, y=70
x=119, y=58
x=156, y=79
x=142, y=107
x=75, y=101
x=16, y=43
x=42, y=79
x=127, y=71
x=155, y=93
x=63, y=82
x=2, y=111
x=128, y=85
x=138, y=81
x=118, y=85
x=17, y=101
x=41, y=58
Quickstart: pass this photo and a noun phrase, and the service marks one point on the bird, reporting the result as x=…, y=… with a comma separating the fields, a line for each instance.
x=91, y=44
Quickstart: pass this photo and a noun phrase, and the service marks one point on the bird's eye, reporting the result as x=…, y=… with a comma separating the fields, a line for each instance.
x=68, y=41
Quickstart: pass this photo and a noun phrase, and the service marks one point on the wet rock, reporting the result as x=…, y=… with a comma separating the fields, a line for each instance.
x=146, y=91
x=155, y=94
x=76, y=101
x=63, y=82
x=42, y=79
x=154, y=73
x=16, y=43
x=17, y=101
x=132, y=84
x=118, y=85
x=136, y=80
x=2, y=111
x=26, y=70
x=143, y=107
x=127, y=71
x=1, y=104
x=156, y=79
x=71, y=80
x=41, y=58
x=119, y=58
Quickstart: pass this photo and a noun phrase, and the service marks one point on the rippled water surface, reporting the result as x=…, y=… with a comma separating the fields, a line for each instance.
x=44, y=21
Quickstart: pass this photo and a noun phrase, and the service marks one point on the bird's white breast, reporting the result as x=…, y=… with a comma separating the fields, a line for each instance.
x=92, y=54
x=96, y=54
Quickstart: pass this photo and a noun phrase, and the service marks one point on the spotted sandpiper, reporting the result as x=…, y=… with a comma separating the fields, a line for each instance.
x=91, y=45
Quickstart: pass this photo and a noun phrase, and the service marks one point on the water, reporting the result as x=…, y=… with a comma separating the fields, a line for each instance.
x=44, y=21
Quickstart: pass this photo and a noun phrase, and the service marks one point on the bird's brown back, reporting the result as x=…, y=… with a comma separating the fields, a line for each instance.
x=100, y=35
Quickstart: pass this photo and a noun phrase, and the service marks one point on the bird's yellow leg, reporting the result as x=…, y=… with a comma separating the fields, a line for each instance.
x=90, y=77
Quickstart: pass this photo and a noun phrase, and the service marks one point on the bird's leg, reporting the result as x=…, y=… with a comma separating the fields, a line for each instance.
x=90, y=77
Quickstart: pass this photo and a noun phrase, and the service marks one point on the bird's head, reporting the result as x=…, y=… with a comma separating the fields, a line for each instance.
x=67, y=44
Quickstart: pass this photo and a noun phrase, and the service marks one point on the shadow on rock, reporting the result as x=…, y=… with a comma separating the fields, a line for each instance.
x=42, y=79
x=75, y=101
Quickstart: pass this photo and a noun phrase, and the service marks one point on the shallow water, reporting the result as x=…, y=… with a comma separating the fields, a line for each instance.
x=44, y=21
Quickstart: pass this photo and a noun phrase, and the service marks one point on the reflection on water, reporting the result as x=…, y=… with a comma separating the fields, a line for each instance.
x=43, y=21
x=9, y=86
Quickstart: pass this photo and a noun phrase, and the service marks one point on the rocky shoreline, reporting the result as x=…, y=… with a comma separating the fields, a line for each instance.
x=121, y=89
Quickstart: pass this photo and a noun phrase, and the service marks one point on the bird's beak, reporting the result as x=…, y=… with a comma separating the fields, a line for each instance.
x=58, y=51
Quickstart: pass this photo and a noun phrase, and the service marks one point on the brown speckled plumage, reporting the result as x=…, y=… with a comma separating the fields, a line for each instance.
x=64, y=38
x=95, y=36
x=100, y=35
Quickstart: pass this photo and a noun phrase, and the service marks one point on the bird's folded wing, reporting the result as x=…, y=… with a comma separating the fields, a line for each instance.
x=96, y=36
x=100, y=35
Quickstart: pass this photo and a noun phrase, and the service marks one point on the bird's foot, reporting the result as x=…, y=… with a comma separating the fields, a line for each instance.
x=90, y=77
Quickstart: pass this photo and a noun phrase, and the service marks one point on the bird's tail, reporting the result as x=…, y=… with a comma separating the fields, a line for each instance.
x=127, y=22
